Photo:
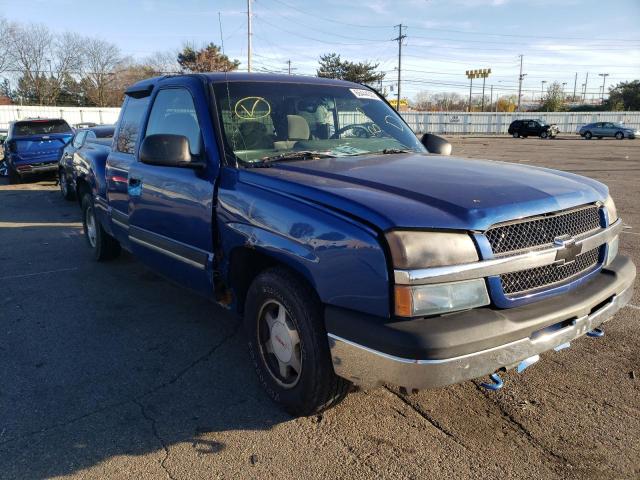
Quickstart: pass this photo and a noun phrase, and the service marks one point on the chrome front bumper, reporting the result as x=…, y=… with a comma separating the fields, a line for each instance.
x=367, y=367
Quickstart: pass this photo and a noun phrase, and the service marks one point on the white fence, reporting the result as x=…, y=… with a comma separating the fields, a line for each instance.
x=73, y=115
x=421, y=122
x=498, y=123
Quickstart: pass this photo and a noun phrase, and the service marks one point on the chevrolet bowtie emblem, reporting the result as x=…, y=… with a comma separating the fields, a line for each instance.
x=568, y=250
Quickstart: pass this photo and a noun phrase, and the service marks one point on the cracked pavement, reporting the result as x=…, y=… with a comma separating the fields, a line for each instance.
x=110, y=371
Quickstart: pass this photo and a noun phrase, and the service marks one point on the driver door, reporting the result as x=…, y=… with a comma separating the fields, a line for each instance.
x=171, y=208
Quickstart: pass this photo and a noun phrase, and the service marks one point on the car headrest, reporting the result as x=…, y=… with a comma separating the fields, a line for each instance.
x=298, y=128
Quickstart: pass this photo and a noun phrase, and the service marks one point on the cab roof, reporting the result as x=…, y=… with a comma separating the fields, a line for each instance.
x=144, y=87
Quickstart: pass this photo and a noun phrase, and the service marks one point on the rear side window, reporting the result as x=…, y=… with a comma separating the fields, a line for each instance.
x=130, y=121
x=40, y=127
x=174, y=112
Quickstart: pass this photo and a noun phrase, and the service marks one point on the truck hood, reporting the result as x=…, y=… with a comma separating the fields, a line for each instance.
x=428, y=191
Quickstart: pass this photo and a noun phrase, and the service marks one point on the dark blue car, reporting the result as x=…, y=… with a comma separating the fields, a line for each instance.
x=34, y=146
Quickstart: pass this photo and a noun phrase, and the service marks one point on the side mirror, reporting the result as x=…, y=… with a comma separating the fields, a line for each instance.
x=167, y=150
x=436, y=144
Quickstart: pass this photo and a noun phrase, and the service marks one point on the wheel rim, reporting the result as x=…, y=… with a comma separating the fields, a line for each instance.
x=63, y=184
x=90, y=222
x=618, y=136
x=279, y=342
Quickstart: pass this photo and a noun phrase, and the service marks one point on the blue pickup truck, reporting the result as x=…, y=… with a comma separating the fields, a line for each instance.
x=34, y=146
x=355, y=252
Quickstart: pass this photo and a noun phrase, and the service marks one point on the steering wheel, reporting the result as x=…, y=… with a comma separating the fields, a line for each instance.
x=358, y=130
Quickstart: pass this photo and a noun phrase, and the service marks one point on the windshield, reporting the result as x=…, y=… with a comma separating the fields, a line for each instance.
x=40, y=127
x=272, y=121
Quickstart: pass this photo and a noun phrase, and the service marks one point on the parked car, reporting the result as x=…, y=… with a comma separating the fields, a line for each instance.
x=3, y=164
x=93, y=138
x=532, y=128
x=34, y=146
x=353, y=258
x=607, y=129
x=81, y=125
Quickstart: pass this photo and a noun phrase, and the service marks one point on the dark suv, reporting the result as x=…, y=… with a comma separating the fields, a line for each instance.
x=532, y=128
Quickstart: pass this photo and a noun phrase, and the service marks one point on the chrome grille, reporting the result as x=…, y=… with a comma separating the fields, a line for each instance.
x=548, y=275
x=541, y=231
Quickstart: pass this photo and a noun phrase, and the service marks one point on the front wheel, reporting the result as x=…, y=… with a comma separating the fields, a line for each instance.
x=288, y=344
x=515, y=135
x=544, y=135
x=103, y=245
x=619, y=135
x=588, y=135
x=14, y=176
x=66, y=192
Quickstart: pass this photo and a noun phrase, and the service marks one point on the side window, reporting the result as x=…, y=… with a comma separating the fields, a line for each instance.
x=78, y=140
x=532, y=125
x=174, y=112
x=130, y=121
x=90, y=135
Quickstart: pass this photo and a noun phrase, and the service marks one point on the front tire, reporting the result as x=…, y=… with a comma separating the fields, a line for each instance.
x=288, y=344
x=619, y=136
x=544, y=135
x=66, y=192
x=14, y=177
x=588, y=135
x=515, y=135
x=103, y=245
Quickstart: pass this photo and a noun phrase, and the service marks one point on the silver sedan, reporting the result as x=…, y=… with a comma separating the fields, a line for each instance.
x=607, y=129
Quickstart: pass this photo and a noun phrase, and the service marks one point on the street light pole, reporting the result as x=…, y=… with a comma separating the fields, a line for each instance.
x=542, y=90
x=604, y=79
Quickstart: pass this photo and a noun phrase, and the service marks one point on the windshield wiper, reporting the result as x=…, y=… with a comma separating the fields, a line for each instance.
x=288, y=156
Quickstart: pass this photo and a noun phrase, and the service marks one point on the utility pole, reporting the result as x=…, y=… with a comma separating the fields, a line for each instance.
x=289, y=65
x=584, y=92
x=520, y=78
x=249, y=35
x=401, y=36
x=542, y=90
x=491, y=97
x=604, y=79
x=575, y=84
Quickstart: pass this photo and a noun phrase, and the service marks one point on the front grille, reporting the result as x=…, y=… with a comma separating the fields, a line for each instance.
x=541, y=231
x=547, y=276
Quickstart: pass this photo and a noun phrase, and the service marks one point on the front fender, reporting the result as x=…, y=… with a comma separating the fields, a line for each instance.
x=340, y=258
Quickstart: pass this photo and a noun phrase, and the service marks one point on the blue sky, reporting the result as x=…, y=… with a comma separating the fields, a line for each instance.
x=444, y=37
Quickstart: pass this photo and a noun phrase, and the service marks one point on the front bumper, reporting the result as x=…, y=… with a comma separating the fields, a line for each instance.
x=461, y=346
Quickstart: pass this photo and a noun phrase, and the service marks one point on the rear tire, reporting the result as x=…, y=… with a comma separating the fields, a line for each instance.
x=14, y=177
x=588, y=135
x=619, y=136
x=103, y=245
x=65, y=191
x=288, y=344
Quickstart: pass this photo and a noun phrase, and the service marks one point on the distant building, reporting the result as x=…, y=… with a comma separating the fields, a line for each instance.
x=4, y=100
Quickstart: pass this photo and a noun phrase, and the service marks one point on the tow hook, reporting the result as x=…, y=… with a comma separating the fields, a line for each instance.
x=497, y=382
x=596, y=333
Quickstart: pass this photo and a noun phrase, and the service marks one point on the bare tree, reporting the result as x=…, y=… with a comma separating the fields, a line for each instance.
x=101, y=59
x=29, y=46
x=66, y=61
x=163, y=63
x=6, y=32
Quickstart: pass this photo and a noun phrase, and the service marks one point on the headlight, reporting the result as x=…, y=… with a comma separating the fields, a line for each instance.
x=430, y=249
x=611, y=210
x=421, y=300
x=415, y=250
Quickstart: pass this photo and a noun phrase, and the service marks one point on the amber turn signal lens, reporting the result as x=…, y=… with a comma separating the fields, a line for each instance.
x=403, y=301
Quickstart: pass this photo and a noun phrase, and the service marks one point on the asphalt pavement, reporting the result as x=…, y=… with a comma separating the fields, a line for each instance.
x=110, y=371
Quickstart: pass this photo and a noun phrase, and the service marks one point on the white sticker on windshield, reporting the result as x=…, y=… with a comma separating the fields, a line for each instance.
x=362, y=93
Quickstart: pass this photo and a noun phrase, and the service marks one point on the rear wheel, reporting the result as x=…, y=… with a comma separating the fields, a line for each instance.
x=66, y=192
x=619, y=135
x=288, y=344
x=588, y=135
x=103, y=245
x=14, y=176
